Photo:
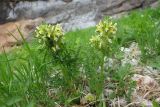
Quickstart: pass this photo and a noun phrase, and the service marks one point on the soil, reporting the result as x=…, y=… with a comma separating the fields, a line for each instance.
x=8, y=29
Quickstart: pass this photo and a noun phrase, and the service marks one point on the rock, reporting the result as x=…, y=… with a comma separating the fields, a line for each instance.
x=76, y=14
x=146, y=89
x=145, y=82
x=80, y=22
x=118, y=102
x=67, y=1
x=148, y=70
x=108, y=92
x=4, y=9
x=131, y=54
x=141, y=103
x=73, y=14
x=111, y=63
x=25, y=26
x=155, y=4
x=110, y=7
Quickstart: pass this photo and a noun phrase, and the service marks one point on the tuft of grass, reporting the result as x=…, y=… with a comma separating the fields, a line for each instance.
x=141, y=27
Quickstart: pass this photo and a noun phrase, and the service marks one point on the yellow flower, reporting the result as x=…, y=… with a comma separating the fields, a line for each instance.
x=90, y=97
x=50, y=36
x=94, y=41
x=99, y=27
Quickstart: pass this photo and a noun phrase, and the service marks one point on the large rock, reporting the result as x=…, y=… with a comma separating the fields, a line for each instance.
x=110, y=7
x=4, y=9
x=72, y=13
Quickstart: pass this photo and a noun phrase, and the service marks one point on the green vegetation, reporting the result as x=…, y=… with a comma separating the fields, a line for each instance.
x=64, y=69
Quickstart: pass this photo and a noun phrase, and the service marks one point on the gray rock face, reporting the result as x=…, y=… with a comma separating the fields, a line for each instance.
x=72, y=14
x=110, y=7
x=3, y=10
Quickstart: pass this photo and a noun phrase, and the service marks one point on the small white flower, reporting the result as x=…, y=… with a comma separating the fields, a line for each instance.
x=122, y=49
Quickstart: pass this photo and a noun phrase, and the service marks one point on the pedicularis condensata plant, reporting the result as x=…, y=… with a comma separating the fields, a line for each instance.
x=105, y=31
x=51, y=38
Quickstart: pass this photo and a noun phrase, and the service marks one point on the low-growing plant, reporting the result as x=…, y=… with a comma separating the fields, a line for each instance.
x=117, y=79
x=121, y=83
x=145, y=33
x=101, y=42
x=64, y=59
x=148, y=36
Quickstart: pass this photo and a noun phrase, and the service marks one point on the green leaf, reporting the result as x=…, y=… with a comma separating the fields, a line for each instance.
x=31, y=104
x=13, y=100
x=155, y=104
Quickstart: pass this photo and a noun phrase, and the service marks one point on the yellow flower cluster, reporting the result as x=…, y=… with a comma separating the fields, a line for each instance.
x=105, y=31
x=50, y=36
x=90, y=97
